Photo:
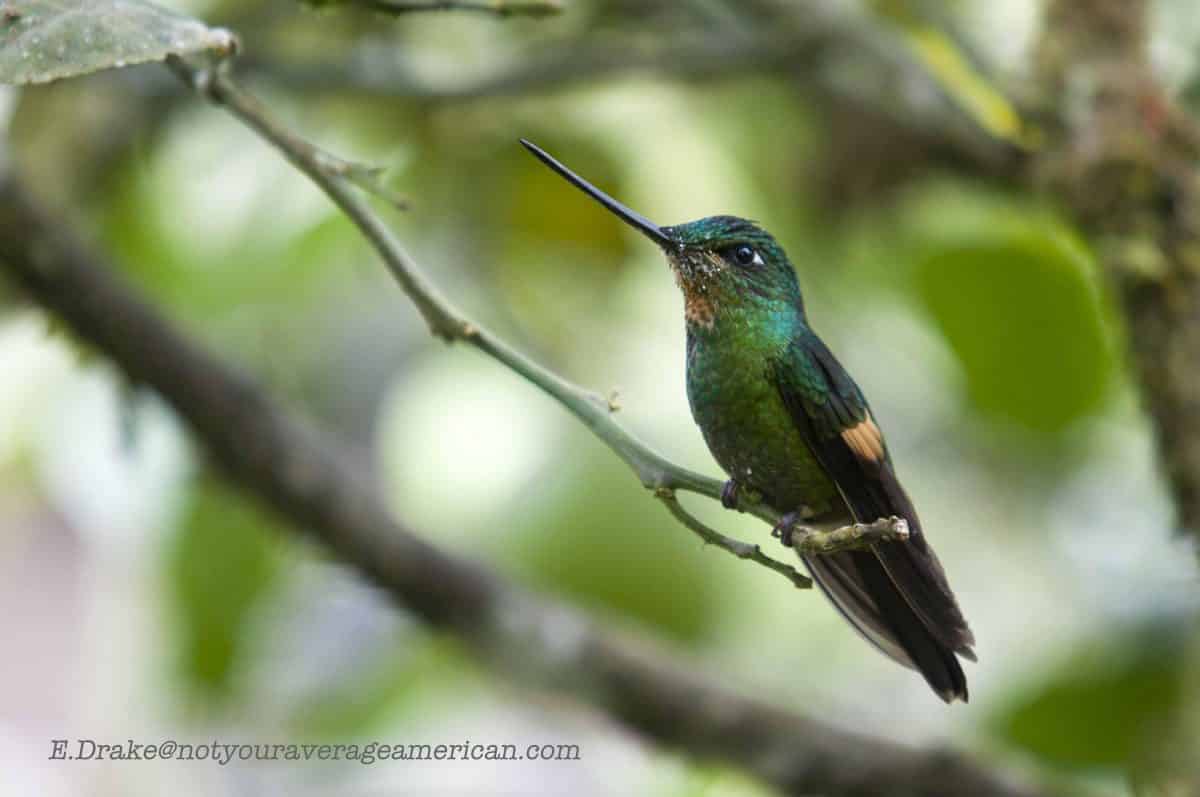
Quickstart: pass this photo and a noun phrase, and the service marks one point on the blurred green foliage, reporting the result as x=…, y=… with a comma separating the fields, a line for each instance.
x=222, y=563
x=555, y=259
x=1021, y=316
x=1108, y=705
x=539, y=203
x=141, y=230
x=1010, y=291
x=419, y=667
x=608, y=545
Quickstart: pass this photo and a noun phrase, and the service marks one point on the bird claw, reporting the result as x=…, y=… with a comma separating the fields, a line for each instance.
x=783, y=529
x=729, y=494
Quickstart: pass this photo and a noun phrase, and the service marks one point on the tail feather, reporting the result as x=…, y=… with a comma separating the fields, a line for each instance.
x=917, y=575
x=865, y=593
x=837, y=576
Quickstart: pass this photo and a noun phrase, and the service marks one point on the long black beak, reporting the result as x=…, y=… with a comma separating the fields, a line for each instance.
x=632, y=218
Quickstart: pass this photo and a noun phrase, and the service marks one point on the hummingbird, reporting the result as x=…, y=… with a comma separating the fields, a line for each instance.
x=783, y=418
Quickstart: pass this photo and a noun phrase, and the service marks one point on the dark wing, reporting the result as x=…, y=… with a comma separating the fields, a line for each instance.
x=896, y=595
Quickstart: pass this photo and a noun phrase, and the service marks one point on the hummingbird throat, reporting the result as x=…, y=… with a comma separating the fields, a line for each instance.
x=696, y=275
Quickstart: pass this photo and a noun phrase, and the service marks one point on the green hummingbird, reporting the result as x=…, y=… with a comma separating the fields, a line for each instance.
x=783, y=417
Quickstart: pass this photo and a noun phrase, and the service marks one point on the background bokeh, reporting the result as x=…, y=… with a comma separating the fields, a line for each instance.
x=141, y=598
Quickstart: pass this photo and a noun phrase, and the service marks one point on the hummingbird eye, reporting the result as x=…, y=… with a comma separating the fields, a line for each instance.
x=745, y=255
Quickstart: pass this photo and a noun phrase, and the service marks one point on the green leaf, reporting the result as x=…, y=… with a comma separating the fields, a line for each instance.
x=1107, y=706
x=45, y=40
x=197, y=284
x=1020, y=313
x=220, y=566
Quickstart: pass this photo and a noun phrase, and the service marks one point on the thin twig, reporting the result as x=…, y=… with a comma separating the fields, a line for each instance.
x=854, y=537
x=807, y=541
x=301, y=152
x=742, y=550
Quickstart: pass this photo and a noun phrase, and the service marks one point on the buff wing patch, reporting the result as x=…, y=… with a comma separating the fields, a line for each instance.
x=866, y=441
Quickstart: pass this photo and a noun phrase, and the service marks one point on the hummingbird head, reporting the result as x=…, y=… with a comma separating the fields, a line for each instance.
x=724, y=265
x=727, y=264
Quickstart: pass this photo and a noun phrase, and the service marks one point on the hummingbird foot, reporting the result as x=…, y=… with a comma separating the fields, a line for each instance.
x=729, y=494
x=783, y=529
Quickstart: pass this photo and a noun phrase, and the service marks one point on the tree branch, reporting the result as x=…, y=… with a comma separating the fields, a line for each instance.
x=807, y=541
x=832, y=52
x=742, y=550
x=1121, y=157
x=300, y=475
x=854, y=537
x=561, y=66
x=501, y=8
